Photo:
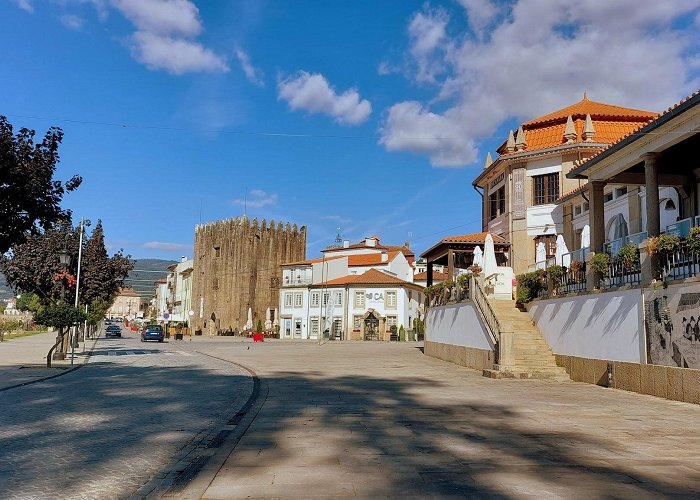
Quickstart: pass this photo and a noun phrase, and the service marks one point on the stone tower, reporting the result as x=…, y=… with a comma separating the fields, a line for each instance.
x=237, y=267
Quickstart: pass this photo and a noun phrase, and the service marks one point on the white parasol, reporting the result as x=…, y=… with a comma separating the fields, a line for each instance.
x=586, y=236
x=478, y=257
x=489, y=265
x=540, y=256
x=561, y=255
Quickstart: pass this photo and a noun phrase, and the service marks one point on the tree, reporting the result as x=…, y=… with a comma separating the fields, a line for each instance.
x=29, y=196
x=60, y=315
x=259, y=329
x=101, y=276
x=28, y=302
x=9, y=325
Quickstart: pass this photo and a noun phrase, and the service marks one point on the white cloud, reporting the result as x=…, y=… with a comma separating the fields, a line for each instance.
x=72, y=22
x=164, y=35
x=253, y=74
x=533, y=58
x=167, y=246
x=257, y=199
x=25, y=5
x=312, y=93
x=175, y=55
x=385, y=68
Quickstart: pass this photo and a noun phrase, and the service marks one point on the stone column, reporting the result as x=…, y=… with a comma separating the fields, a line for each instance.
x=596, y=223
x=450, y=264
x=652, y=184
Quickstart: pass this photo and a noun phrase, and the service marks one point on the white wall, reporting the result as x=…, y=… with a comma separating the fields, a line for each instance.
x=456, y=324
x=606, y=325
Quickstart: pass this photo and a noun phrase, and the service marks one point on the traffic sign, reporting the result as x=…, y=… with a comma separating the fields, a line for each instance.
x=191, y=313
x=166, y=315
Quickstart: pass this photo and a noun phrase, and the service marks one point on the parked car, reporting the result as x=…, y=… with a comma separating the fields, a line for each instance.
x=113, y=331
x=152, y=332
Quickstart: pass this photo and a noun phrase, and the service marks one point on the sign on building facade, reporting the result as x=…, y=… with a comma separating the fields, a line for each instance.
x=519, y=211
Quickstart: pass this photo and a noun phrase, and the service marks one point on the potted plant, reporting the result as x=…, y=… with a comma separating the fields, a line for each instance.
x=529, y=285
x=402, y=334
x=628, y=256
x=475, y=269
x=661, y=245
x=693, y=239
x=393, y=335
x=556, y=273
x=600, y=263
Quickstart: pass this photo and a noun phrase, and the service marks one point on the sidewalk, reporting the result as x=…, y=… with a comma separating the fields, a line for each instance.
x=23, y=359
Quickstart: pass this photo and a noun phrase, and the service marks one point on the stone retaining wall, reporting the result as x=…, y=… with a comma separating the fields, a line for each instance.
x=678, y=384
x=471, y=357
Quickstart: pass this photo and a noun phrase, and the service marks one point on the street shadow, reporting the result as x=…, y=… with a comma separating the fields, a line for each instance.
x=103, y=416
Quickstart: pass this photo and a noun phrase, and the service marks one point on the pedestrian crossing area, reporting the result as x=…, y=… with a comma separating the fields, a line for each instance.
x=139, y=352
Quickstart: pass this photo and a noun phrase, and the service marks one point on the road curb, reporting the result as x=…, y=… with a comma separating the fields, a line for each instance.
x=193, y=469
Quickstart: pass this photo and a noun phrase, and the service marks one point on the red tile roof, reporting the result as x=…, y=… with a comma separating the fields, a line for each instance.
x=369, y=277
x=424, y=276
x=651, y=123
x=128, y=292
x=596, y=109
x=476, y=238
x=370, y=259
x=569, y=194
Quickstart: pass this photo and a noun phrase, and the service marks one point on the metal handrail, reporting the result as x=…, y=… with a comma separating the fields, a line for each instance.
x=487, y=315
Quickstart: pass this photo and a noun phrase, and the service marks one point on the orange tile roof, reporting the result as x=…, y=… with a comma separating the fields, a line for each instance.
x=650, y=123
x=370, y=259
x=571, y=193
x=596, y=109
x=610, y=123
x=312, y=261
x=424, y=276
x=369, y=277
x=128, y=292
x=477, y=238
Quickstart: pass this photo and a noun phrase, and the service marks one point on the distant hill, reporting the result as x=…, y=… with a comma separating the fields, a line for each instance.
x=145, y=273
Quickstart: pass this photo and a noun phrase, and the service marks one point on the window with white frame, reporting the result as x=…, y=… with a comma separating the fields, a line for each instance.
x=298, y=299
x=288, y=300
x=390, y=299
x=391, y=321
x=326, y=296
x=315, y=298
x=338, y=299
x=356, y=321
x=359, y=299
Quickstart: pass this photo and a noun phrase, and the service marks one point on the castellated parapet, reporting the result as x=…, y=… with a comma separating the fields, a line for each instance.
x=236, y=267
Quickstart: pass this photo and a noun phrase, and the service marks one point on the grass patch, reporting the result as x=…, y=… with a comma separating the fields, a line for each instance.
x=17, y=335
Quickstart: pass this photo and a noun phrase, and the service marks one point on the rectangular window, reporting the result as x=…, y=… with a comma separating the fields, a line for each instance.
x=620, y=191
x=359, y=299
x=215, y=284
x=550, y=244
x=315, y=299
x=546, y=188
x=217, y=251
x=287, y=299
x=577, y=210
x=298, y=299
x=585, y=207
x=326, y=296
x=497, y=203
x=337, y=327
x=391, y=321
x=390, y=299
x=356, y=320
x=607, y=197
x=314, y=328
x=338, y=299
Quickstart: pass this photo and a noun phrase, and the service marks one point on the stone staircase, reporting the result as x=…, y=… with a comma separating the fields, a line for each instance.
x=523, y=350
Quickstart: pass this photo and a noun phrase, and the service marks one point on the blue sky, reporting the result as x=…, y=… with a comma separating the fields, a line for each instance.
x=372, y=116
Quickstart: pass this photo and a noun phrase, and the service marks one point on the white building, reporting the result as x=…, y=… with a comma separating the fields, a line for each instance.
x=180, y=289
x=356, y=292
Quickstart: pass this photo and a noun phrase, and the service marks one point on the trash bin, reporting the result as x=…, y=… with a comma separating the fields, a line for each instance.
x=178, y=336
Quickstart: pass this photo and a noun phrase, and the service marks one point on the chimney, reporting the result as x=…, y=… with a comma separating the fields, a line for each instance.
x=407, y=245
x=385, y=257
x=183, y=259
x=346, y=243
x=371, y=241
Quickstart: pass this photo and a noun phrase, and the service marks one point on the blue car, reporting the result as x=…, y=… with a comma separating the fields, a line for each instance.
x=152, y=332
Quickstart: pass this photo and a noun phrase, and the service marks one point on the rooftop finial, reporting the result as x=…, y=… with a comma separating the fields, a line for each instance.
x=520, y=143
x=570, y=131
x=510, y=143
x=585, y=95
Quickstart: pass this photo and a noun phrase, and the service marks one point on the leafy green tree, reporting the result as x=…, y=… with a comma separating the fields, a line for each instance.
x=29, y=196
x=101, y=276
x=29, y=302
x=97, y=310
x=8, y=325
x=259, y=329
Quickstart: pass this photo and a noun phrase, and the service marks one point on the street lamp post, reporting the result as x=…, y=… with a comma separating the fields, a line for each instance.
x=64, y=259
x=77, y=290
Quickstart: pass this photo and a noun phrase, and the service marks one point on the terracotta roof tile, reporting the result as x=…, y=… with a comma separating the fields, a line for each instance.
x=640, y=126
x=424, y=276
x=370, y=259
x=369, y=277
x=476, y=238
x=596, y=109
x=579, y=189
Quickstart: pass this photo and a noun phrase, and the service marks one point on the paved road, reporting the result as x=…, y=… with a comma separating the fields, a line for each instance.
x=106, y=429
x=382, y=420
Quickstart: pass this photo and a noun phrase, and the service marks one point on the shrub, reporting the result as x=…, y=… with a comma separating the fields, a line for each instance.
x=627, y=255
x=576, y=266
x=600, y=263
x=402, y=334
x=530, y=284
x=259, y=329
x=693, y=239
x=448, y=284
x=556, y=272
x=418, y=325
x=463, y=280
x=393, y=329
x=665, y=243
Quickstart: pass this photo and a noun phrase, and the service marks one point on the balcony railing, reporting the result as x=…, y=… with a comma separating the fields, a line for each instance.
x=680, y=264
x=621, y=273
x=574, y=280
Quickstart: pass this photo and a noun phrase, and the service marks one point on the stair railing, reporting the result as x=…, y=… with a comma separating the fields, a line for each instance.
x=485, y=311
